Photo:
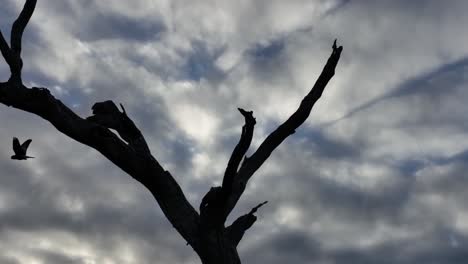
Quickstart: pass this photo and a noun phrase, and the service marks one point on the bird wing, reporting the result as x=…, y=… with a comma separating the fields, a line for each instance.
x=17, y=147
x=25, y=145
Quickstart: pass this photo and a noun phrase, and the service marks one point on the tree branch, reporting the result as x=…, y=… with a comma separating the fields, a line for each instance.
x=12, y=54
x=20, y=24
x=213, y=210
x=95, y=133
x=108, y=115
x=237, y=229
x=143, y=168
x=4, y=48
x=297, y=118
x=240, y=149
x=250, y=166
x=6, y=53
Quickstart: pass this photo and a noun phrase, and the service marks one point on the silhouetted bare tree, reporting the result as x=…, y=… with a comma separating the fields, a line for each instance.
x=205, y=232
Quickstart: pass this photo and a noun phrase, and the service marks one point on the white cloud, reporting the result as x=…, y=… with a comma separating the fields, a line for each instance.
x=376, y=166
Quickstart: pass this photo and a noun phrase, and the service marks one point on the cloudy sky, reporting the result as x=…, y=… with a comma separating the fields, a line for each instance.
x=376, y=175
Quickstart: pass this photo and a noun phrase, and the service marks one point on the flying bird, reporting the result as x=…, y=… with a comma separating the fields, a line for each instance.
x=20, y=150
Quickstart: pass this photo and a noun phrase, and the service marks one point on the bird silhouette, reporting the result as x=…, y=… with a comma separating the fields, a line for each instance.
x=20, y=150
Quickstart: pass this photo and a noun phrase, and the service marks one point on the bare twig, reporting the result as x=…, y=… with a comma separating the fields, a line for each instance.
x=238, y=228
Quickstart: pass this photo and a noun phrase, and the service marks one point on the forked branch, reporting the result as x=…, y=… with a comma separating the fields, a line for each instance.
x=252, y=164
x=12, y=53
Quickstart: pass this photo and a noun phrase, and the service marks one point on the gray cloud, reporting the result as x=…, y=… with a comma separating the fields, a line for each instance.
x=377, y=174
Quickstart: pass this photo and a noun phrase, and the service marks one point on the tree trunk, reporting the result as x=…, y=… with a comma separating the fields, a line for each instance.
x=217, y=248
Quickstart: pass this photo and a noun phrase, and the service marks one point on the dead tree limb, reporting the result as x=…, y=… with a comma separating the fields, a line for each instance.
x=240, y=150
x=220, y=201
x=206, y=233
x=252, y=164
x=238, y=228
x=132, y=156
x=12, y=54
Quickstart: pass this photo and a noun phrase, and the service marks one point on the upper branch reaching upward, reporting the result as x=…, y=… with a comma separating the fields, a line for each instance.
x=252, y=164
x=4, y=48
x=213, y=209
x=240, y=149
x=297, y=118
x=20, y=24
x=12, y=53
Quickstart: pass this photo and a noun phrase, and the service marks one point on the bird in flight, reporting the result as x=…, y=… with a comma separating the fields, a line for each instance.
x=20, y=150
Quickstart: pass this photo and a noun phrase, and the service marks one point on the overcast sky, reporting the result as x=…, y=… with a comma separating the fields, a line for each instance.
x=377, y=174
